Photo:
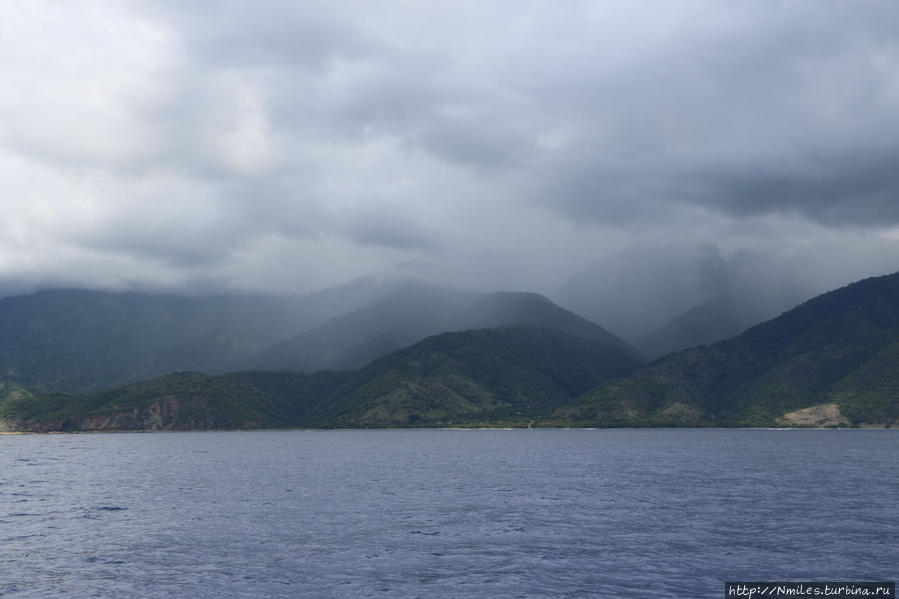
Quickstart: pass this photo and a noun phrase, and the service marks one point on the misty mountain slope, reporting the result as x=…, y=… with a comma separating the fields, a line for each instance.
x=712, y=321
x=635, y=291
x=397, y=320
x=838, y=347
x=78, y=340
x=73, y=339
x=505, y=376
x=670, y=297
x=412, y=313
x=506, y=308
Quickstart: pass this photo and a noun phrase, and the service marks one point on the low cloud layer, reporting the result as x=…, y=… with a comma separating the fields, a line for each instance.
x=284, y=146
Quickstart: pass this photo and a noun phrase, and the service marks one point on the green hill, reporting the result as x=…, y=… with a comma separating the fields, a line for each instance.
x=840, y=348
x=507, y=375
x=413, y=312
x=831, y=361
x=179, y=401
x=498, y=376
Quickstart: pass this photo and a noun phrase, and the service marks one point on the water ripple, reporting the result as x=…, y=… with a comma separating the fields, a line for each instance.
x=443, y=513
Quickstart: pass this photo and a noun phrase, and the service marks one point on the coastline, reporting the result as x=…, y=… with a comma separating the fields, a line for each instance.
x=863, y=427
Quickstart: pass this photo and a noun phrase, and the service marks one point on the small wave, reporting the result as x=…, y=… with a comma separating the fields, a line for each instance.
x=93, y=559
x=96, y=511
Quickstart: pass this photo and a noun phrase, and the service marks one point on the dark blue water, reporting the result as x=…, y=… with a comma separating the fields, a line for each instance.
x=580, y=513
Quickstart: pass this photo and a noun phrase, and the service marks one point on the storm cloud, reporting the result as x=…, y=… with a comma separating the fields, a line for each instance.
x=284, y=146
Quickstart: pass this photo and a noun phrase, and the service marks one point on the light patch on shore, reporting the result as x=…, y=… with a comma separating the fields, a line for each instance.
x=827, y=414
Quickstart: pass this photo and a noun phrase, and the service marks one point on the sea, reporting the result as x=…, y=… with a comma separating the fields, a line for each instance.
x=444, y=513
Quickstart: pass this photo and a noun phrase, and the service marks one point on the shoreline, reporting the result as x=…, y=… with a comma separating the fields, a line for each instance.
x=879, y=427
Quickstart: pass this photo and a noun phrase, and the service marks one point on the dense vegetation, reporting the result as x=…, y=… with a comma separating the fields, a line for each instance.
x=180, y=401
x=831, y=361
x=508, y=376
x=840, y=347
x=712, y=321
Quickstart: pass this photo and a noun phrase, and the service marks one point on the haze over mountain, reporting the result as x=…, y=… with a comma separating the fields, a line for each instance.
x=86, y=340
x=411, y=313
x=663, y=298
x=715, y=320
x=838, y=348
x=510, y=374
x=78, y=340
x=280, y=148
x=829, y=362
x=581, y=151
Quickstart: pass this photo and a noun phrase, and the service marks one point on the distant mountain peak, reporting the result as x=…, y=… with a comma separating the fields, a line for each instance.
x=412, y=312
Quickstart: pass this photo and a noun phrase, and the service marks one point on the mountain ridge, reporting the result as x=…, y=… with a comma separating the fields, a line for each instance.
x=788, y=363
x=413, y=312
x=78, y=340
x=484, y=375
x=830, y=361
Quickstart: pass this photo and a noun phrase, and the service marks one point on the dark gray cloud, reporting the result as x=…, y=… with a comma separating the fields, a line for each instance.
x=853, y=188
x=746, y=110
x=284, y=145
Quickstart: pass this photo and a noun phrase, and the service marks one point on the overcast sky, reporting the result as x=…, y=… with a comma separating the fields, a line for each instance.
x=286, y=146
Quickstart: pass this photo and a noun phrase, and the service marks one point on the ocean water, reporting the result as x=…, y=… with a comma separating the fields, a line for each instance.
x=486, y=513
